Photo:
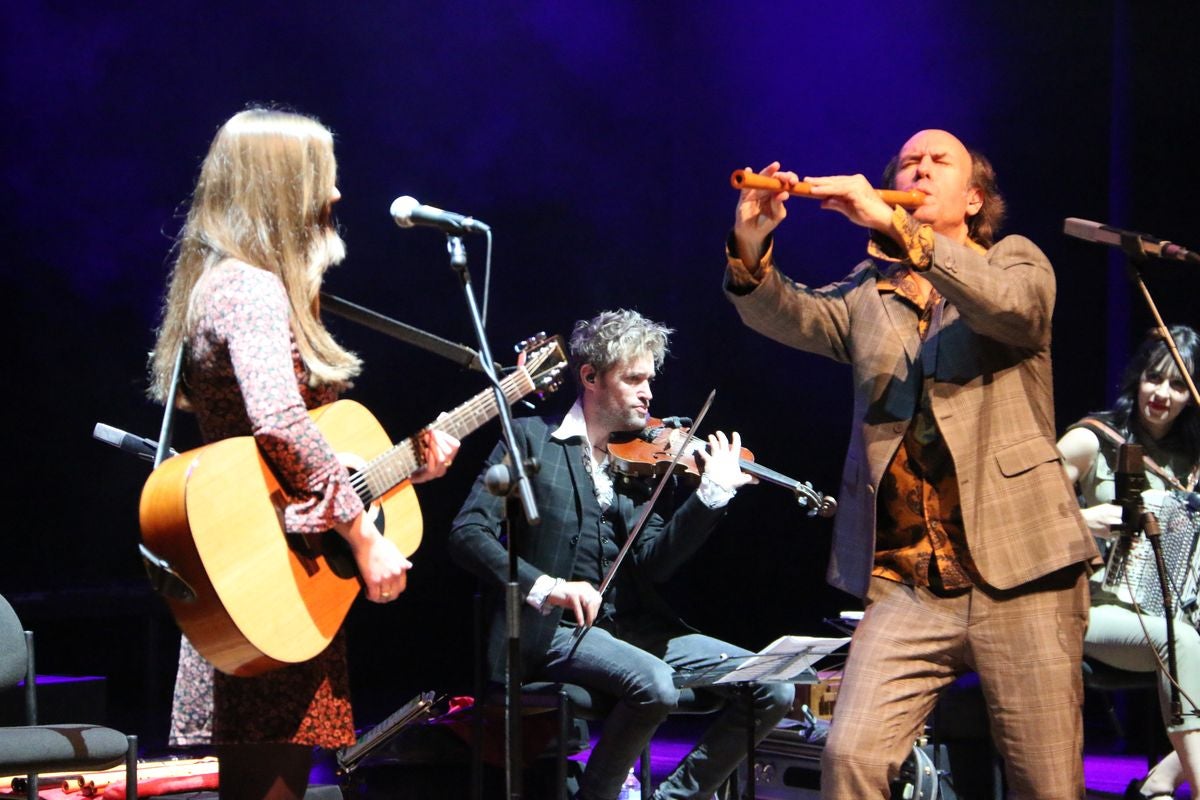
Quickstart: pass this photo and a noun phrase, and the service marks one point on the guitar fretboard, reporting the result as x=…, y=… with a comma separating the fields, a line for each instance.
x=400, y=461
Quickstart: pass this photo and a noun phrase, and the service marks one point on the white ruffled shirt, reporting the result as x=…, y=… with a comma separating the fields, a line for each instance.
x=711, y=493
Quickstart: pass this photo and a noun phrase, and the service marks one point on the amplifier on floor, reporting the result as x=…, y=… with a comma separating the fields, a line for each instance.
x=787, y=766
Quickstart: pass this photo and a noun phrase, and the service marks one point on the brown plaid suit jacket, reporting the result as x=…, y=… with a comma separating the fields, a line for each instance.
x=988, y=352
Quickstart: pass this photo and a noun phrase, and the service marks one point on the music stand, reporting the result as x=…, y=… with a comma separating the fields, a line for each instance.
x=417, y=710
x=788, y=659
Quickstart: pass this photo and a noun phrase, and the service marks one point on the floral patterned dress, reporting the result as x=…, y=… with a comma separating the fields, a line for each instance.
x=243, y=375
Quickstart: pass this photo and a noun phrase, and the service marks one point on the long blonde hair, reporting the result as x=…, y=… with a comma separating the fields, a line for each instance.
x=263, y=197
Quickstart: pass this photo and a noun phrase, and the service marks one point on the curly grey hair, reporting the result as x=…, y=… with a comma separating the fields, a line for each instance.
x=611, y=337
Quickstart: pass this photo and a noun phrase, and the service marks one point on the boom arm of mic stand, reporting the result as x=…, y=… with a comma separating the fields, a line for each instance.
x=1136, y=254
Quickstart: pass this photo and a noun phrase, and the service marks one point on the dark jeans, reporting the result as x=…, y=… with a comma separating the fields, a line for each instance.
x=638, y=669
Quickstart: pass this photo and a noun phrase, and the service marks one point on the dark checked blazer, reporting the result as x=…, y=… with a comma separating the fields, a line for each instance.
x=562, y=487
x=988, y=352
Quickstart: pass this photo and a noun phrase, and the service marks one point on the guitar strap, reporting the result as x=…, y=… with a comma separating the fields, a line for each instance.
x=1103, y=429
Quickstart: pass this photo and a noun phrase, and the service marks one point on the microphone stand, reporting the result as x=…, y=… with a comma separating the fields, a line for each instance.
x=1149, y=524
x=518, y=483
x=1135, y=252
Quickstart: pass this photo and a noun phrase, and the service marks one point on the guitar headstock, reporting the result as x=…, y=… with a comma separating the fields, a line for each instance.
x=545, y=360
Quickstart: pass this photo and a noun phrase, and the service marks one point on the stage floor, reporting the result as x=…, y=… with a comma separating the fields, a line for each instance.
x=1106, y=774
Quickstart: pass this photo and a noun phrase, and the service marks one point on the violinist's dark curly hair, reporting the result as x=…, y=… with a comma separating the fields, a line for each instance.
x=611, y=337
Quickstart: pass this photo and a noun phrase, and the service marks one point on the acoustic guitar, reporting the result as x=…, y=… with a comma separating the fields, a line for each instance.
x=252, y=597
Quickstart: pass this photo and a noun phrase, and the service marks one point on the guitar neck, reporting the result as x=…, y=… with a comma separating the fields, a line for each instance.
x=399, y=462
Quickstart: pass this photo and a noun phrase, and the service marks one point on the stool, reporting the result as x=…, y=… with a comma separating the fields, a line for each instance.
x=1107, y=679
x=571, y=701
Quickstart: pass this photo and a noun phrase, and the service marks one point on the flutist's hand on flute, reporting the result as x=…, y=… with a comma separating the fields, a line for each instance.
x=855, y=198
x=759, y=211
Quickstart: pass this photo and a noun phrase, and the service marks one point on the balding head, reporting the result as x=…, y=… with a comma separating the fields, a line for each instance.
x=964, y=202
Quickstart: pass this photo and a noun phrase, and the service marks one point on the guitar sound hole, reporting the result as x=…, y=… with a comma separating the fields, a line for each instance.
x=338, y=556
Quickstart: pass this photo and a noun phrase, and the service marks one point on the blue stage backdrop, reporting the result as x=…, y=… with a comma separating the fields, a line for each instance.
x=597, y=139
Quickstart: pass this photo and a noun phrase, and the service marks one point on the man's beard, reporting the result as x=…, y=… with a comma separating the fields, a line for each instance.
x=634, y=420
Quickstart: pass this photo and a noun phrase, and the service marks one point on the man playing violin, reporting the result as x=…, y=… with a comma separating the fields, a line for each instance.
x=957, y=524
x=636, y=641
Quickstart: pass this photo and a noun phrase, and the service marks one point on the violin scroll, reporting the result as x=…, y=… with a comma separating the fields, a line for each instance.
x=823, y=505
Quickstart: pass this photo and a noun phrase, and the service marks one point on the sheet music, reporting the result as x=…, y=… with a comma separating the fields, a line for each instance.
x=785, y=659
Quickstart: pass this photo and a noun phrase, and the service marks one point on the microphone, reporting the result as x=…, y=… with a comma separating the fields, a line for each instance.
x=407, y=212
x=1130, y=479
x=1115, y=237
x=138, y=446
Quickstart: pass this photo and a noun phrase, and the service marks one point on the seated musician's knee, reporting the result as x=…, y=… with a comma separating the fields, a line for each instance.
x=656, y=693
x=1187, y=638
x=775, y=699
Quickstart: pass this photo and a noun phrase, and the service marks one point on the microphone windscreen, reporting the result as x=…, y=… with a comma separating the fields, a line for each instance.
x=402, y=209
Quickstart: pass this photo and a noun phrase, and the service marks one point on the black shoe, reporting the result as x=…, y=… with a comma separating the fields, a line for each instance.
x=1134, y=791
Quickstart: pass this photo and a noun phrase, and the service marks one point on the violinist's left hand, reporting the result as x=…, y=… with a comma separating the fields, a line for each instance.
x=720, y=463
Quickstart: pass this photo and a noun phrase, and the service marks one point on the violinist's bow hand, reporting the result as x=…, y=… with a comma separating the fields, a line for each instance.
x=579, y=597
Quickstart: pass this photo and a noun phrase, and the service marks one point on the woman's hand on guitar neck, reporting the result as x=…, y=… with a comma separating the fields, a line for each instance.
x=438, y=449
x=383, y=568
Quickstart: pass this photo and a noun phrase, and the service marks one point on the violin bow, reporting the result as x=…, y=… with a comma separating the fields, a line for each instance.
x=582, y=630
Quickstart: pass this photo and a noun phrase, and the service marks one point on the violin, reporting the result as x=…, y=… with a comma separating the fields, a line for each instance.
x=649, y=452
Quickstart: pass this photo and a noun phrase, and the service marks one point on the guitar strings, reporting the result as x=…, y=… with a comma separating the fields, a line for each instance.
x=402, y=458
